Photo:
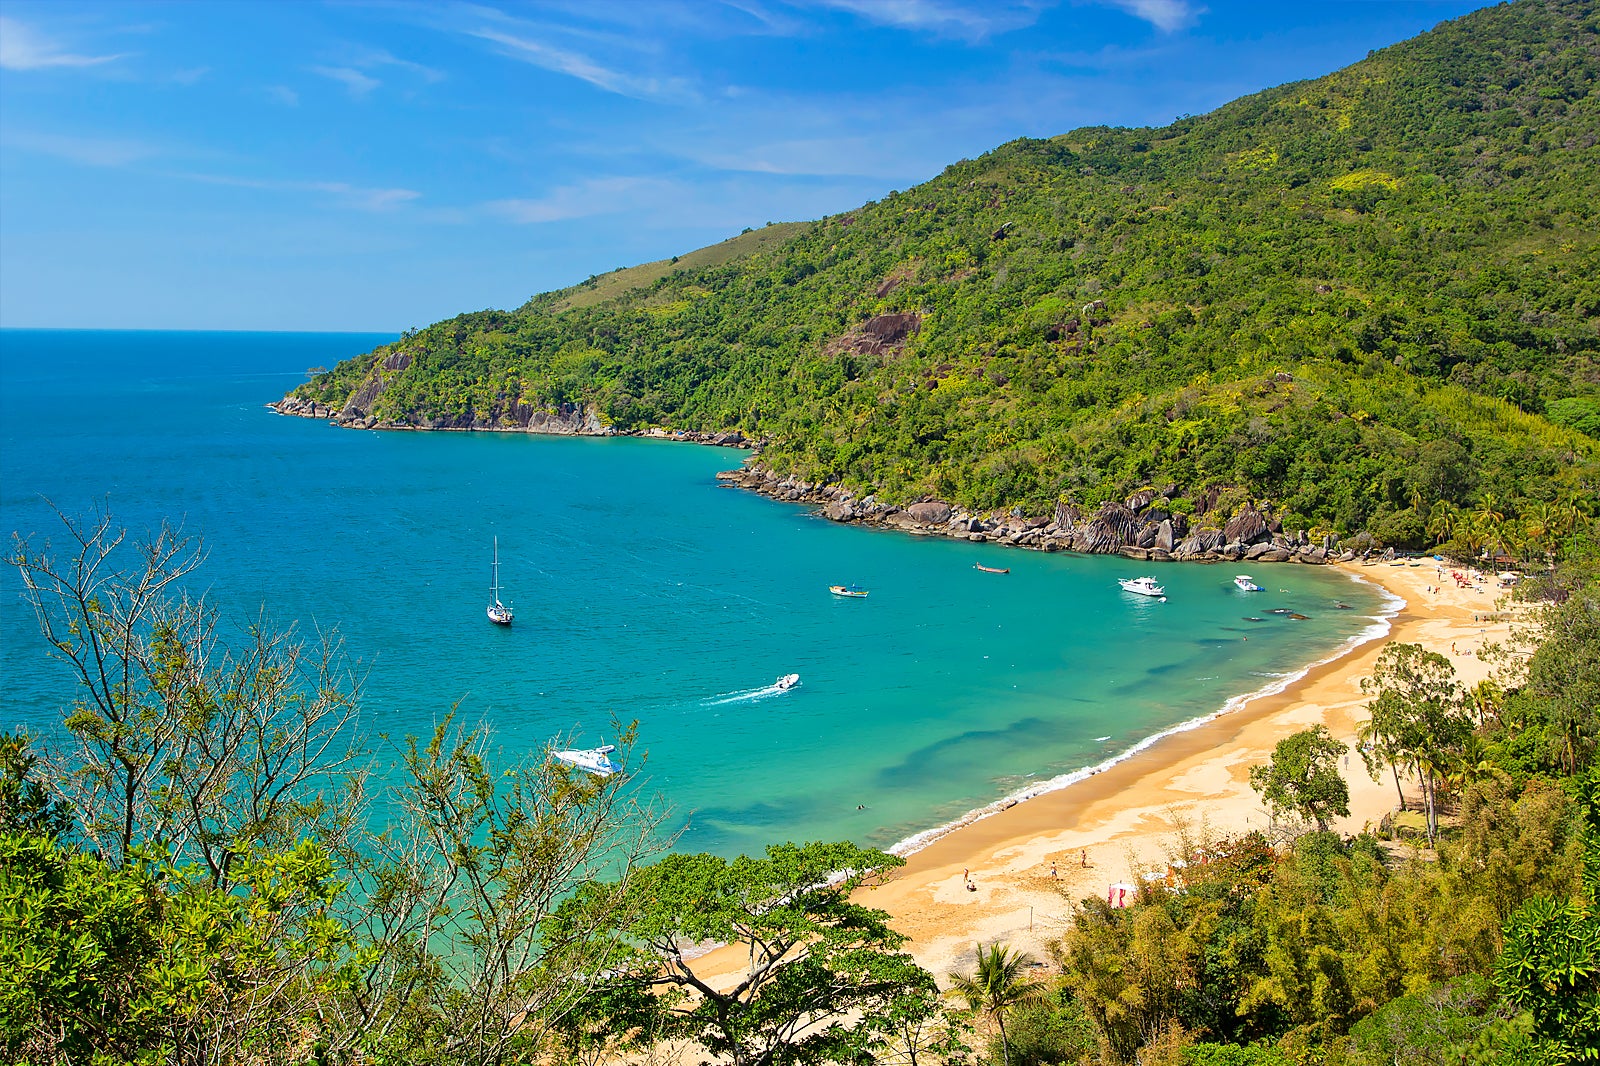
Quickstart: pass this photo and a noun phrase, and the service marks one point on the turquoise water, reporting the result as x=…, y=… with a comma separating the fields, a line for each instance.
x=643, y=590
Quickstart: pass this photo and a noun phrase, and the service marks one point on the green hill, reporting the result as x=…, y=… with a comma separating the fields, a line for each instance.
x=1353, y=297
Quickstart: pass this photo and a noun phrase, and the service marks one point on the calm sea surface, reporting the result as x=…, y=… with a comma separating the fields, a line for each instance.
x=643, y=590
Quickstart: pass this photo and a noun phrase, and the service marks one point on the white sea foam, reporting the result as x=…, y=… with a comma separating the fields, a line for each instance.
x=1377, y=630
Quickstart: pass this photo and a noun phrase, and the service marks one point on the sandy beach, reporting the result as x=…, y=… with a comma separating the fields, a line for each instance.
x=1032, y=862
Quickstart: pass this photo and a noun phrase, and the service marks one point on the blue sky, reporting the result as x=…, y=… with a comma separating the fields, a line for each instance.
x=379, y=165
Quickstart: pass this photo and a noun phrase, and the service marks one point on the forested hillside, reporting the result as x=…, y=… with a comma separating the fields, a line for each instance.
x=1354, y=298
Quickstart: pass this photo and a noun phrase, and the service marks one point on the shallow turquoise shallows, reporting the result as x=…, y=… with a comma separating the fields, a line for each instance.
x=642, y=590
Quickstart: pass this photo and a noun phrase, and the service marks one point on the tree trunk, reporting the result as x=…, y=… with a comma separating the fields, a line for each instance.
x=1396, y=771
x=1433, y=816
x=1005, y=1043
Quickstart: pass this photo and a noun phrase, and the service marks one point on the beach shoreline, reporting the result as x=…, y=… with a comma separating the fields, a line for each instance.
x=1030, y=857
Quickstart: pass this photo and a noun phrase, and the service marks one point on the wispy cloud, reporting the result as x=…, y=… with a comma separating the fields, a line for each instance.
x=361, y=198
x=596, y=196
x=358, y=83
x=843, y=156
x=89, y=151
x=367, y=58
x=283, y=94
x=121, y=153
x=23, y=49
x=1165, y=15
x=939, y=18
x=582, y=67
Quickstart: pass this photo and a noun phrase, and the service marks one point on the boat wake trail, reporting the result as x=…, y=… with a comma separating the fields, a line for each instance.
x=747, y=696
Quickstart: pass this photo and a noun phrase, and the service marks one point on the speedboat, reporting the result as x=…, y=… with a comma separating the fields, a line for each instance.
x=1246, y=583
x=787, y=681
x=596, y=761
x=847, y=590
x=1142, y=586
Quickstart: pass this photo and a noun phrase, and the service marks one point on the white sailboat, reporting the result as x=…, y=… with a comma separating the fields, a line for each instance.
x=499, y=613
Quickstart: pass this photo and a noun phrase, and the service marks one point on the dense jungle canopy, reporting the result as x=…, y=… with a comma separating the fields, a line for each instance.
x=1352, y=299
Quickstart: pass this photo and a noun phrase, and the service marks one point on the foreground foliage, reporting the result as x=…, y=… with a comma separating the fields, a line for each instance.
x=192, y=872
x=819, y=978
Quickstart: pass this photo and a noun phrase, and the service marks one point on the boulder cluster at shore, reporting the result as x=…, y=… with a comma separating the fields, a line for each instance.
x=1138, y=527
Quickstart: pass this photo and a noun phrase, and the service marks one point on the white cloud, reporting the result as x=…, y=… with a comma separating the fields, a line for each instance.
x=596, y=196
x=1164, y=15
x=284, y=95
x=358, y=83
x=23, y=49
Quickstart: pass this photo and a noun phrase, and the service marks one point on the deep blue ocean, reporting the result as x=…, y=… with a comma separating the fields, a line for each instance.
x=643, y=590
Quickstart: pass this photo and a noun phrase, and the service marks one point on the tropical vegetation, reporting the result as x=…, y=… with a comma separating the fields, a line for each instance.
x=1367, y=301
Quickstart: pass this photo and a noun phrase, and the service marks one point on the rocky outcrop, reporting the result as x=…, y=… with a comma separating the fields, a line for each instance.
x=1246, y=527
x=878, y=335
x=516, y=417
x=1138, y=528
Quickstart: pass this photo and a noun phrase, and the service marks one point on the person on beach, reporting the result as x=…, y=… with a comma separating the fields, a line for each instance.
x=1052, y=869
x=1083, y=859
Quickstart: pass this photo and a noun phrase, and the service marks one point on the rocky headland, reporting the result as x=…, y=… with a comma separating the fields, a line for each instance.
x=564, y=420
x=1140, y=527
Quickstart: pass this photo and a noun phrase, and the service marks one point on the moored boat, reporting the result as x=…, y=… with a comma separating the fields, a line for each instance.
x=992, y=569
x=847, y=590
x=1246, y=583
x=1142, y=586
x=499, y=613
x=596, y=761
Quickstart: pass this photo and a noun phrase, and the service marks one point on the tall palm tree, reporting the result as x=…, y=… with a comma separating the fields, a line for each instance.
x=997, y=985
x=1488, y=511
x=1442, y=521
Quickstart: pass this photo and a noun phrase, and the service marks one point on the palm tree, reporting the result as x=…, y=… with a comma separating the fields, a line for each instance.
x=1488, y=511
x=997, y=985
x=1442, y=521
x=1541, y=520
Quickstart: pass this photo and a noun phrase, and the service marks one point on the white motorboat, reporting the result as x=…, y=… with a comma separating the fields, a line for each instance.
x=1142, y=586
x=787, y=681
x=1246, y=583
x=596, y=761
x=499, y=613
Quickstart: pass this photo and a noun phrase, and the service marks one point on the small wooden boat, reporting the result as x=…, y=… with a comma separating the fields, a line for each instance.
x=854, y=591
x=992, y=569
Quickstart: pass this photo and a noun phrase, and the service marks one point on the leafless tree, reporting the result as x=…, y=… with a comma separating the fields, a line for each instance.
x=176, y=738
